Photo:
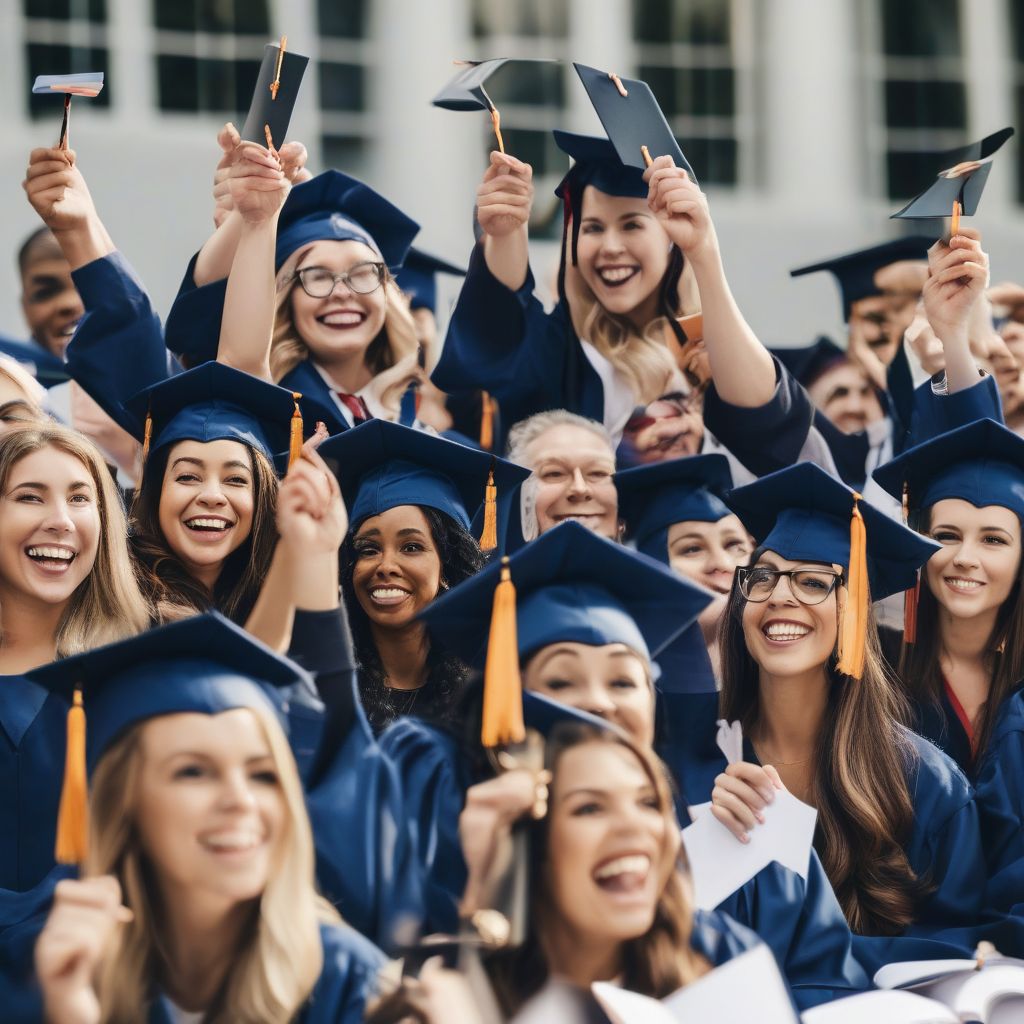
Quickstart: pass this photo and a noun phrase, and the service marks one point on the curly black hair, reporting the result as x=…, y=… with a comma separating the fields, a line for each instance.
x=460, y=557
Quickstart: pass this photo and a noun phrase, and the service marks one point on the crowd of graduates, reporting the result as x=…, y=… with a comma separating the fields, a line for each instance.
x=355, y=672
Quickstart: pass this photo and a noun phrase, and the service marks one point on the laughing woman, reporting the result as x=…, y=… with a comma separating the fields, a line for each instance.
x=605, y=348
x=801, y=670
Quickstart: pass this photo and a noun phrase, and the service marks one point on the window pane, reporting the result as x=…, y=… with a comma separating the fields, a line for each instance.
x=692, y=91
x=697, y=22
x=528, y=84
x=66, y=10
x=910, y=173
x=925, y=104
x=342, y=19
x=347, y=153
x=191, y=84
x=520, y=18
x=714, y=161
x=58, y=59
x=921, y=28
x=341, y=87
x=235, y=16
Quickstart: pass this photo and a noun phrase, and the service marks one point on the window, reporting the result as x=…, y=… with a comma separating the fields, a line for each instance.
x=923, y=92
x=342, y=75
x=529, y=19
x=64, y=37
x=686, y=52
x=208, y=53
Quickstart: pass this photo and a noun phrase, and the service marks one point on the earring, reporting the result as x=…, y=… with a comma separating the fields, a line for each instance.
x=444, y=584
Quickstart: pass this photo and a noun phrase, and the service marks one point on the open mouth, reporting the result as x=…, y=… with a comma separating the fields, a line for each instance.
x=388, y=596
x=962, y=584
x=617, y=276
x=623, y=875
x=342, y=319
x=68, y=330
x=784, y=632
x=233, y=842
x=591, y=520
x=52, y=558
x=208, y=524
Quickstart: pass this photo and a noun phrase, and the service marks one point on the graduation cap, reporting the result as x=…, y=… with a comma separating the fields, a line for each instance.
x=381, y=465
x=204, y=664
x=418, y=278
x=981, y=463
x=465, y=91
x=809, y=362
x=334, y=206
x=215, y=402
x=632, y=118
x=958, y=187
x=855, y=271
x=273, y=99
x=652, y=498
x=804, y=514
x=89, y=84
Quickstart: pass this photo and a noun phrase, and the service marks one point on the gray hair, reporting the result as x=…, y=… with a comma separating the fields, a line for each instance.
x=525, y=432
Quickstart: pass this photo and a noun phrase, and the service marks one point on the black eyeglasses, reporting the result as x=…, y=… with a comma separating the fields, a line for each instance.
x=319, y=282
x=808, y=586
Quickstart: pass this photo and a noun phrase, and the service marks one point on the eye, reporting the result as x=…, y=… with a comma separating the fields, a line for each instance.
x=993, y=538
x=632, y=225
x=189, y=771
x=413, y=547
x=650, y=803
x=946, y=537
x=44, y=293
x=266, y=777
x=599, y=475
x=237, y=481
x=623, y=684
x=737, y=546
x=591, y=229
x=689, y=550
x=29, y=498
x=187, y=478
x=81, y=499
x=366, y=550
x=587, y=809
x=553, y=475
x=558, y=684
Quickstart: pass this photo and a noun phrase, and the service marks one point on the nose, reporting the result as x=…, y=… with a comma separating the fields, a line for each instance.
x=211, y=495
x=387, y=565
x=58, y=519
x=783, y=593
x=237, y=792
x=71, y=302
x=718, y=560
x=578, y=484
x=966, y=555
x=597, y=702
x=611, y=241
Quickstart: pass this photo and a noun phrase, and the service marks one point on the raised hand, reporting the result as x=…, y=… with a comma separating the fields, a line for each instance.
x=228, y=139
x=957, y=279
x=82, y=920
x=741, y=794
x=505, y=196
x=681, y=208
x=311, y=515
x=57, y=191
x=258, y=185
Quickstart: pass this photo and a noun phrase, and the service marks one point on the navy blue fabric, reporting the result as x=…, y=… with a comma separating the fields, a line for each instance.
x=43, y=365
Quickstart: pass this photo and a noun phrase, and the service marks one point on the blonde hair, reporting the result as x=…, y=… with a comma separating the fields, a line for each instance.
x=396, y=339
x=641, y=357
x=107, y=605
x=525, y=432
x=16, y=374
x=280, y=956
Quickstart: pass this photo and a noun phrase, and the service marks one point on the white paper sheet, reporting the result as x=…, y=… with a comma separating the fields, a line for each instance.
x=720, y=863
x=746, y=989
x=881, y=1008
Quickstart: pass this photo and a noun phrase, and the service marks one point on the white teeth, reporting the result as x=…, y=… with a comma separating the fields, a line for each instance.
x=615, y=275
x=633, y=864
x=961, y=584
x=343, y=319
x=208, y=524
x=232, y=842
x=63, y=554
x=385, y=592
x=786, y=630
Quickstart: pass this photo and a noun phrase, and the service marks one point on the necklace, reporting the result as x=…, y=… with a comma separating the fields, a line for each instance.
x=775, y=762
x=410, y=699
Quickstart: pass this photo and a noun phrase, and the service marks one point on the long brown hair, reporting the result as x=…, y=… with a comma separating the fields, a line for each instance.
x=397, y=338
x=172, y=591
x=280, y=956
x=107, y=605
x=654, y=964
x=921, y=671
x=861, y=761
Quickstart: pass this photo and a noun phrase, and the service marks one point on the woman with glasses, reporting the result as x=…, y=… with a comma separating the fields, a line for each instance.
x=801, y=670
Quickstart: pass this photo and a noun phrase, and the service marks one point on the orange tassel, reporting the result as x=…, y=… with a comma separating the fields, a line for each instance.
x=147, y=436
x=911, y=599
x=496, y=125
x=853, y=624
x=503, y=689
x=73, y=816
x=489, y=536
x=295, y=437
x=486, y=421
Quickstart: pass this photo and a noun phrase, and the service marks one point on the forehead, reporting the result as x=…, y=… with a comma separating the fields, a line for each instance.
x=609, y=766
x=869, y=304
x=211, y=452
x=844, y=374
x=957, y=512
x=568, y=442
x=234, y=732
x=589, y=654
x=599, y=204
x=729, y=524
x=49, y=463
x=47, y=264
x=401, y=517
x=337, y=254
x=776, y=561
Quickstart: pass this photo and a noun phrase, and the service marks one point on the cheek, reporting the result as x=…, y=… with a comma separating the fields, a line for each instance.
x=243, y=501
x=637, y=714
x=427, y=572
x=546, y=496
x=87, y=523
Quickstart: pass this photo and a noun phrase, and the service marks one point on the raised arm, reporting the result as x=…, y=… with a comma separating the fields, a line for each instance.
x=503, y=203
x=741, y=366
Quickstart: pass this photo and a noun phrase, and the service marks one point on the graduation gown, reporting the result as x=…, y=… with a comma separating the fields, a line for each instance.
x=503, y=342
x=43, y=365
x=342, y=990
x=802, y=924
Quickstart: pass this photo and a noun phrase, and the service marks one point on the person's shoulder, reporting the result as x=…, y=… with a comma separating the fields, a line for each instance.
x=1010, y=718
x=348, y=977
x=936, y=783
x=718, y=938
x=344, y=946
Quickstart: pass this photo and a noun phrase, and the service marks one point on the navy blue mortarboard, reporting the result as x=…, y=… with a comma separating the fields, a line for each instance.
x=981, y=463
x=381, y=465
x=632, y=118
x=333, y=206
x=855, y=271
x=273, y=99
x=571, y=586
x=597, y=163
x=418, y=278
x=215, y=402
x=809, y=362
x=804, y=514
x=652, y=498
x=962, y=179
x=203, y=664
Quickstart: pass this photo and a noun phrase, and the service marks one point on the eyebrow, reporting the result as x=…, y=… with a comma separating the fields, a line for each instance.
x=204, y=756
x=233, y=464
